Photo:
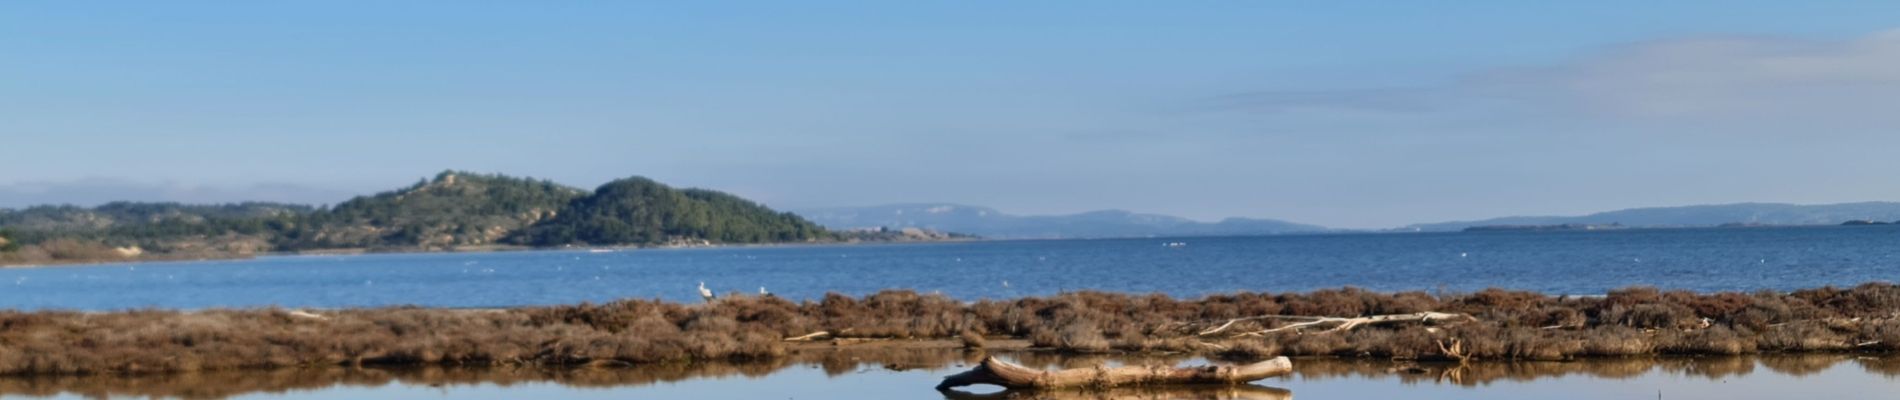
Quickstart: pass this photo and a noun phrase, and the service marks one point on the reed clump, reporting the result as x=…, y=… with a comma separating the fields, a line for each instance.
x=1505, y=325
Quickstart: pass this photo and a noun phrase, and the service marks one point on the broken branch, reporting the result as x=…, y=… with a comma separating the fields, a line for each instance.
x=1341, y=324
x=995, y=371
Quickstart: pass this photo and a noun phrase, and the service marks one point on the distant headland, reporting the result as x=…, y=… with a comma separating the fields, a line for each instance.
x=454, y=211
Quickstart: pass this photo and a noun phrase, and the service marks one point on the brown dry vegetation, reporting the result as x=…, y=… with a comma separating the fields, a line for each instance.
x=1510, y=326
x=81, y=251
x=60, y=251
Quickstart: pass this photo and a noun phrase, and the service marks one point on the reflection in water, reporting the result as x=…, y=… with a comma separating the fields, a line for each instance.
x=1485, y=373
x=222, y=384
x=911, y=373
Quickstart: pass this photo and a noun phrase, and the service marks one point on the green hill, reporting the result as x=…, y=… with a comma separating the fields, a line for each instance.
x=161, y=228
x=453, y=209
x=641, y=211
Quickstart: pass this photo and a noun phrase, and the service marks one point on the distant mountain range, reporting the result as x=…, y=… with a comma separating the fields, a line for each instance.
x=989, y=223
x=1698, y=216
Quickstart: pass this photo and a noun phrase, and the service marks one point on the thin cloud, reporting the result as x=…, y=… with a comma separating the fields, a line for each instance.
x=1710, y=79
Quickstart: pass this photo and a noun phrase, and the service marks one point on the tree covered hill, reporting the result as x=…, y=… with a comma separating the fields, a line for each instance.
x=641, y=211
x=129, y=223
x=453, y=210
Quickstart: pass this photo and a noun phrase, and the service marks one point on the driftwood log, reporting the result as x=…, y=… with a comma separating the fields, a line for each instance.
x=1009, y=375
x=1221, y=392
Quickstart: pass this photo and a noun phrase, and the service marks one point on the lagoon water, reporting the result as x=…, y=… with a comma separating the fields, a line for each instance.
x=1571, y=262
x=847, y=374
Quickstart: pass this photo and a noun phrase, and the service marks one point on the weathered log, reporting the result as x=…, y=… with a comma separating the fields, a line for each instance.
x=997, y=372
x=1221, y=392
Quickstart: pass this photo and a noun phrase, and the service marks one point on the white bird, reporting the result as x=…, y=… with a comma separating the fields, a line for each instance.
x=1005, y=283
x=705, y=293
x=762, y=292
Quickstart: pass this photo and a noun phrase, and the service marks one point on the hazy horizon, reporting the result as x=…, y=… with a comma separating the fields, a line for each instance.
x=1349, y=115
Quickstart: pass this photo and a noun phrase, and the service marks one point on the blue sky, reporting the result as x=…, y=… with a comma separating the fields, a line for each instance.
x=1349, y=114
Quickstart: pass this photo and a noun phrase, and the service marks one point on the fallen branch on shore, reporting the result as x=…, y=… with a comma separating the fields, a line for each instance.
x=1338, y=324
x=994, y=371
x=306, y=315
x=1224, y=392
x=823, y=335
x=809, y=336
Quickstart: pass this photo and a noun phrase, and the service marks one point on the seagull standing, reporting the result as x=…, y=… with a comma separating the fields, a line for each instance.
x=764, y=293
x=705, y=293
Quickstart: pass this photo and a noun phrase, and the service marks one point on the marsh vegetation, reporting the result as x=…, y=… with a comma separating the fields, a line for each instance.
x=1504, y=325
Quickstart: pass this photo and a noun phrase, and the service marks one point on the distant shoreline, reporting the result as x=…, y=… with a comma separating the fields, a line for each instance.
x=461, y=249
x=1188, y=240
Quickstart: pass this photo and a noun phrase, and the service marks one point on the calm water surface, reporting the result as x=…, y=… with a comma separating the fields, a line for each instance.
x=912, y=374
x=1551, y=262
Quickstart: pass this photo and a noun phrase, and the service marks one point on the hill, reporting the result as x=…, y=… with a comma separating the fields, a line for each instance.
x=987, y=222
x=1698, y=216
x=124, y=229
x=641, y=211
x=454, y=210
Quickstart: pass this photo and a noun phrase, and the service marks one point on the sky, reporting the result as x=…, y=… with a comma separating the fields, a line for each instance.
x=1345, y=114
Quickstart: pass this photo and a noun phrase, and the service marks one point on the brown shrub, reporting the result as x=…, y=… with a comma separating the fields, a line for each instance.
x=1409, y=343
x=1249, y=350
x=1315, y=345
x=1715, y=340
x=1615, y=341
x=1630, y=296
x=1652, y=315
x=1496, y=301
x=1801, y=337
x=1715, y=306
x=971, y=340
x=1082, y=336
x=1880, y=336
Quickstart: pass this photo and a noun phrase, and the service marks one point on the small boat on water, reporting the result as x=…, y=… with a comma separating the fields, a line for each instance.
x=1174, y=244
x=600, y=250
